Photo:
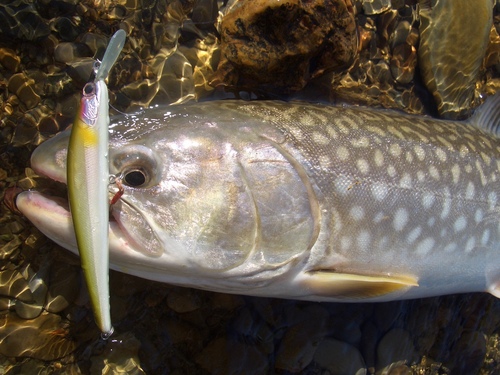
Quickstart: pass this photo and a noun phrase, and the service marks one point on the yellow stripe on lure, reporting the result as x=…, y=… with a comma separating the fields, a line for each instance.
x=88, y=179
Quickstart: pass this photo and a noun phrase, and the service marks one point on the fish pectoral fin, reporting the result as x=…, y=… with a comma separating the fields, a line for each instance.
x=352, y=286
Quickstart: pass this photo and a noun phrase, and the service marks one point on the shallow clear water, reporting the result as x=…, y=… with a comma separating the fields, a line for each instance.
x=46, y=325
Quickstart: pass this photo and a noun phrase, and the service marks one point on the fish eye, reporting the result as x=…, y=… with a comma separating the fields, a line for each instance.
x=138, y=166
x=134, y=178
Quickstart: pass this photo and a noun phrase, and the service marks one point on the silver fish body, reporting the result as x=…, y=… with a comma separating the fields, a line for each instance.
x=296, y=200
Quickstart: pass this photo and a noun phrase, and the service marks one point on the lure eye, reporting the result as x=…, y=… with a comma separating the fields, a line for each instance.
x=89, y=89
x=134, y=178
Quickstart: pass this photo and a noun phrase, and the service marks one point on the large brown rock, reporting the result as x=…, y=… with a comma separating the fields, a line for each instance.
x=280, y=45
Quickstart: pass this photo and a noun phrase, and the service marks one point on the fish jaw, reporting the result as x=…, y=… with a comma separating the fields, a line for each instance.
x=52, y=216
x=50, y=160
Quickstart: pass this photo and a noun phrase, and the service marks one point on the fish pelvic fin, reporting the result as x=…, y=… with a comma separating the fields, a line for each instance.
x=494, y=287
x=494, y=290
x=356, y=287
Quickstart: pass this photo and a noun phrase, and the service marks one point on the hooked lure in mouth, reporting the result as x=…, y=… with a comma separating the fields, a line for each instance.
x=88, y=179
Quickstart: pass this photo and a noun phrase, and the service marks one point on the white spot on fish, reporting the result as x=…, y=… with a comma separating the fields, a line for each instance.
x=413, y=235
x=486, y=158
x=405, y=181
x=343, y=184
x=434, y=172
x=441, y=155
x=431, y=221
x=479, y=215
x=443, y=233
x=468, y=168
x=363, y=166
x=492, y=200
x=428, y=200
x=342, y=153
x=455, y=173
x=391, y=171
x=345, y=243
x=379, y=158
x=479, y=168
x=379, y=217
x=307, y=120
x=364, y=239
x=409, y=157
x=361, y=142
x=400, y=219
x=425, y=246
x=445, y=142
x=379, y=191
x=469, y=246
x=450, y=247
x=485, y=237
x=332, y=132
x=460, y=224
x=320, y=138
x=419, y=151
x=469, y=191
x=395, y=150
x=446, y=208
x=357, y=213
x=420, y=176
x=325, y=162
x=464, y=151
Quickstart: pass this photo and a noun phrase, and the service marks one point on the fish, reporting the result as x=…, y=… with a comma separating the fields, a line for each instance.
x=88, y=177
x=296, y=200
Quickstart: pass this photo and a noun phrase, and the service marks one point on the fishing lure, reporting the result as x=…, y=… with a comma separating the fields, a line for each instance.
x=88, y=178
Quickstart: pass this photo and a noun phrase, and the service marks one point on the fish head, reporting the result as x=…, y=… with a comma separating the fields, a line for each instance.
x=189, y=210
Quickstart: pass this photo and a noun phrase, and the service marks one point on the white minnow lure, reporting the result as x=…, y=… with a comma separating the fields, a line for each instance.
x=88, y=179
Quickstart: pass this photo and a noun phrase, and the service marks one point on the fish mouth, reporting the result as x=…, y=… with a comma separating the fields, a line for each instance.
x=47, y=207
x=51, y=214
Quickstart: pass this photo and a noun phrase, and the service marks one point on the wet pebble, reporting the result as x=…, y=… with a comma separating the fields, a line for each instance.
x=339, y=358
x=23, y=86
x=297, y=348
x=395, y=346
x=14, y=284
x=176, y=83
x=64, y=287
x=468, y=353
x=22, y=20
x=119, y=356
x=66, y=52
x=450, y=69
x=179, y=331
x=65, y=28
x=42, y=338
x=9, y=59
x=371, y=7
x=183, y=300
x=95, y=42
x=238, y=358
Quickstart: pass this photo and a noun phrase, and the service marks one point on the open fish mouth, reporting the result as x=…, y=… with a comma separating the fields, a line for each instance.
x=50, y=213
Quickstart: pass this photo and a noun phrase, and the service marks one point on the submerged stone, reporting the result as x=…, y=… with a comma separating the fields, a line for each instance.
x=454, y=37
